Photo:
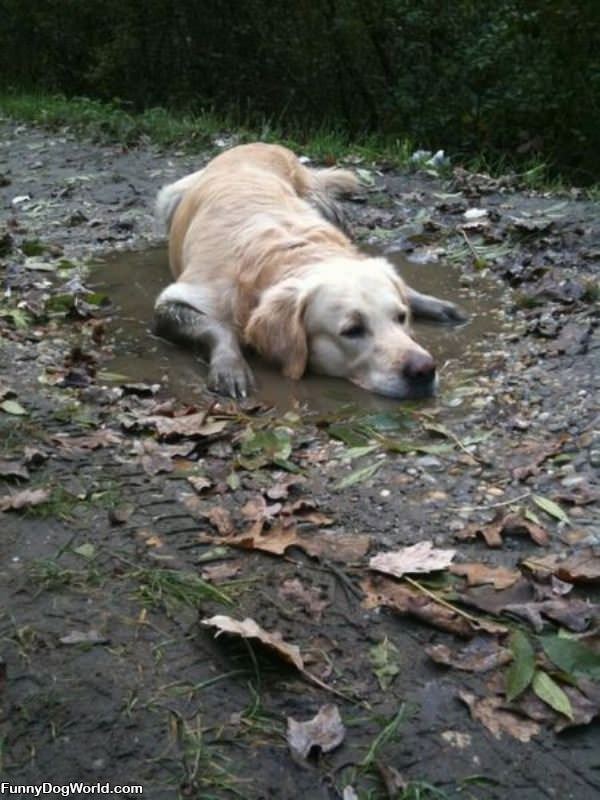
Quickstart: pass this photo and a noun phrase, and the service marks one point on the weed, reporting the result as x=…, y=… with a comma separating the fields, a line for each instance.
x=169, y=588
x=50, y=576
x=205, y=770
x=60, y=504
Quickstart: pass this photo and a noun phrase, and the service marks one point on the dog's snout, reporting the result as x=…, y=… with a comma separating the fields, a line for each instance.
x=419, y=368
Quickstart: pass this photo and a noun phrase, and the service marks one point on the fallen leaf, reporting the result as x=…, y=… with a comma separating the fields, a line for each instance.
x=249, y=629
x=219, y=573
x=84, y=637
x=498, y=720
x=420, y=557
x=583, y=567
x=551, y=508
x=304, y=510
x=571, y=656
x=325, y=731
x=345, y=547
x=103, y=437
x=395, y=783
x=85, y=550
x=574, y=614
x=275, y=540
x=281, y=490
x=482, y=654
x=189, y=426
x=532, y=454
x=521, y=671
x=359, y=476
x=13, y=469
x=584, y=700
x=200, y=482
x=307, y=597
x=550, y=693
x=385, y=658
x=121, y=513
x=509, y=524
x=220, y=518
x=13, y=407
x=481, y=574
x=406, y=600
x=25, y=499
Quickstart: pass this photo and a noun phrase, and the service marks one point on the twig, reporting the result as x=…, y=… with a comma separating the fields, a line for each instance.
x=492, y=505
x=471, y=247
x=440, y=601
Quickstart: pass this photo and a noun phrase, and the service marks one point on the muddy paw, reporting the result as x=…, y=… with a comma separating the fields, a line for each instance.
x=450, y=313
x=231, y=377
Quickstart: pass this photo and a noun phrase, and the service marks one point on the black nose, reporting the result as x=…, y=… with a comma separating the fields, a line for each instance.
x=419, y=368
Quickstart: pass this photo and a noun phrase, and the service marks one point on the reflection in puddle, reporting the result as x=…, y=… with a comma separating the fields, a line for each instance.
x=133, y=280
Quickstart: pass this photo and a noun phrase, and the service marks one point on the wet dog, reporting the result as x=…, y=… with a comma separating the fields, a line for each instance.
x=260, y=260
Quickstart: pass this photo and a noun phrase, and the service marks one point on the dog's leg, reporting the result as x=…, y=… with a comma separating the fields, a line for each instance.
x=180, y=322
x=425, y=306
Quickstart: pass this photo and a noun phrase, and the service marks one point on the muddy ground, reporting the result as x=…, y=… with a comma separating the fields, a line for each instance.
x=136, y=505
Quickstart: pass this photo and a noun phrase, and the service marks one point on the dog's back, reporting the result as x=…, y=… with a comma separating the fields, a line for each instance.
x=319, y=186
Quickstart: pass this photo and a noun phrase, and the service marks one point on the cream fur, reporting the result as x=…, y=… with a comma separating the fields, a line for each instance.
x=251, y=251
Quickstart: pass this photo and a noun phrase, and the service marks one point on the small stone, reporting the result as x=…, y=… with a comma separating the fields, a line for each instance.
x=594, y=458
x=429, y=462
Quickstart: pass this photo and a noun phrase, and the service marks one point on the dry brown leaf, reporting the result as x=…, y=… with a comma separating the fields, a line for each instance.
x=200, y=482
x=480, y=655
x=13, y=469
x=344, y=547
x=581, y=567
x=531, y=454
x=190, y=426
x=305, y=510
x=481, y=574
x=218, y=573
x=25, y=499
x=249, y=629
x=407, y=600
x=574, y=614
x=325, y=731
x=509, y=524
x=490, y=712
x=276, y=540
x=420, y=557
x=220, y=518
x=104, y=437
x=257, y=509
x=281, y=490
x=307, y=597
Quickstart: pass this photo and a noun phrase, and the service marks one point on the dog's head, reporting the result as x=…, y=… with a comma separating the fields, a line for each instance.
x=349, y=319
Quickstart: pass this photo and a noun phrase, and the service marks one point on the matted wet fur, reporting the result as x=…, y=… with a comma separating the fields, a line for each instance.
x=259, y=259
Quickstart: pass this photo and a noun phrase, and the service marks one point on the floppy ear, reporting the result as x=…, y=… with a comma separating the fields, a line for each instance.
x=276, y=328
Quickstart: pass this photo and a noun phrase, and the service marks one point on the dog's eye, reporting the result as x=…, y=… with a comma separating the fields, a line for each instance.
x=355, y=331
x=401, y=317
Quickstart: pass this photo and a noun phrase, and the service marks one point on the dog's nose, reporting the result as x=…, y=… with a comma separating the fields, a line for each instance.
x=419, y=368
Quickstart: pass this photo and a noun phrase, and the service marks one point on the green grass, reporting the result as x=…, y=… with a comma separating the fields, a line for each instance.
x=194, y=131
x=169, y=588
x=197, y=132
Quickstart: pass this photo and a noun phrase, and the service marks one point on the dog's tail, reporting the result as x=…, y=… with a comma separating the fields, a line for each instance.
x=325, y=186
x=169, y=198
x=335, y=182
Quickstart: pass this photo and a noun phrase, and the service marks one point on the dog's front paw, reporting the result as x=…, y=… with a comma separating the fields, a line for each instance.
x=230, y=376
x=450, y=313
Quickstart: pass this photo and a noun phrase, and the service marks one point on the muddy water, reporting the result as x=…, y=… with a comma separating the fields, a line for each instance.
x=133, y=280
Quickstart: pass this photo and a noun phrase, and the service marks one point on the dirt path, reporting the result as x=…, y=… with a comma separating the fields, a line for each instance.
x=129, y=517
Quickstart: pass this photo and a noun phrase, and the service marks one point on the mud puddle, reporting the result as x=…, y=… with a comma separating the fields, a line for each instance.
x=133, y=280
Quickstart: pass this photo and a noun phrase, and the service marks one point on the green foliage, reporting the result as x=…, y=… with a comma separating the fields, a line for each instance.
x=522, y=669
x=512, y=79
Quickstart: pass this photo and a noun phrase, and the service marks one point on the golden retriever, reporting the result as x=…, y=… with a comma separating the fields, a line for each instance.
x=259, y=260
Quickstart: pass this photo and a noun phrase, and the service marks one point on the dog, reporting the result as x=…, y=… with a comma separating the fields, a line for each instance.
x=260, y=259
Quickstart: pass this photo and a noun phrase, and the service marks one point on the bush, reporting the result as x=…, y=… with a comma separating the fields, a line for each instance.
x=512, y=78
